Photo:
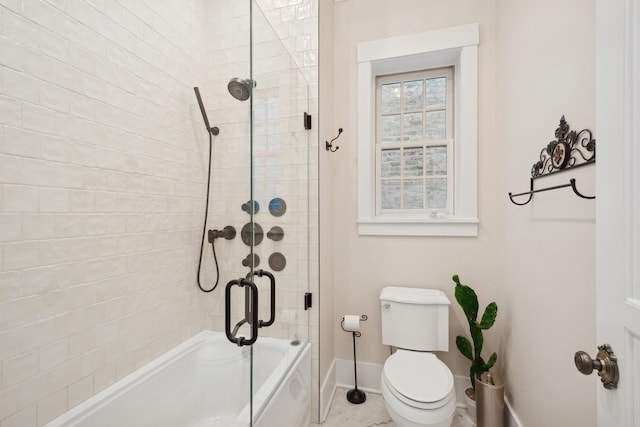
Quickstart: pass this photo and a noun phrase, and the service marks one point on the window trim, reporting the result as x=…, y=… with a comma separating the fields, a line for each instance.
x=457, y=47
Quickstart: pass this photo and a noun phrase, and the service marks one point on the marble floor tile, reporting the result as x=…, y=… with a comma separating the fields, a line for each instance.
x=371, y=413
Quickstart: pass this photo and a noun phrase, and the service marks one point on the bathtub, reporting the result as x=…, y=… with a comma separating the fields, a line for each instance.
x=205, y=382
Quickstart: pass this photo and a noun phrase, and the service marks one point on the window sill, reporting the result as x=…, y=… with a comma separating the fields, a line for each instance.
x=453, y=227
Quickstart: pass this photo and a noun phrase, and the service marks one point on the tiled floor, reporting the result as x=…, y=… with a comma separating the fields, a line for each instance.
x=371, y=413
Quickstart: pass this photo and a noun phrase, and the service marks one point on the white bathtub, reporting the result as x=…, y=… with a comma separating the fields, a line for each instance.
x=205, y=382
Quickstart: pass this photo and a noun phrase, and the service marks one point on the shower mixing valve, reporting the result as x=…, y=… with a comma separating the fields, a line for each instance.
x=229, y=232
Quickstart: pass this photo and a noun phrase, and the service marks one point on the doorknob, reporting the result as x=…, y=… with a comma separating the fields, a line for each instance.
x=606, y=363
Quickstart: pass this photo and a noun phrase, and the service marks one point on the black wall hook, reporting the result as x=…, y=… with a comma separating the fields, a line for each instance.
x=329, y=145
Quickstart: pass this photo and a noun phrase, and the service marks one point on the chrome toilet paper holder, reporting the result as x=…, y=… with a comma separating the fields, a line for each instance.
x=355, y=395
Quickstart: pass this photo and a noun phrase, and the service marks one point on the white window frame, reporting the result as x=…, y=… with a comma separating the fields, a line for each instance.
x=457, y=47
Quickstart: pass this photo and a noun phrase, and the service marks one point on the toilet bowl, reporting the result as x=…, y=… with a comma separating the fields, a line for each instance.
x=418, y=390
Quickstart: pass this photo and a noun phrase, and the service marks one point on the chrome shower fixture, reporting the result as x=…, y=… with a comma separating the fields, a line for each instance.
x=240, y=89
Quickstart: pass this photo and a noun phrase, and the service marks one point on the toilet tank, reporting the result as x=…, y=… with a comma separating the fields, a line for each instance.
x=415, y=318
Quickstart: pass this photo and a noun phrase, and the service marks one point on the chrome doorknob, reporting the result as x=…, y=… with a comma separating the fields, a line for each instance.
x=606, y=363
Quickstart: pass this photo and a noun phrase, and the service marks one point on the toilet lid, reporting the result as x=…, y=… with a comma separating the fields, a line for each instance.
x=418, y=376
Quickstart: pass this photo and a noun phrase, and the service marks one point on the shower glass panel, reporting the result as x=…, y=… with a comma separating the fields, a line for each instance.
x=260, y=176
x=280, y=179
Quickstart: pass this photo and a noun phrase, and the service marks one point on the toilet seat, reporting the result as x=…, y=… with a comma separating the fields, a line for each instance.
x=418, y=379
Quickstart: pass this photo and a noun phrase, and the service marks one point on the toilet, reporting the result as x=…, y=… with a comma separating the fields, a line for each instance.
x=417, y=387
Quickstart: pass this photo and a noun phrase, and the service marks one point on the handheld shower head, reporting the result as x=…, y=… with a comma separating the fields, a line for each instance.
x=240, y=89
x=214, y=130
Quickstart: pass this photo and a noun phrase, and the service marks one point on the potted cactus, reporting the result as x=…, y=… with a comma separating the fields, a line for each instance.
x=468, y=300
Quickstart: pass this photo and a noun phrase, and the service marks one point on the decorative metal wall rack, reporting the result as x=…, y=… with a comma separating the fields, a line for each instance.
x=569, y=150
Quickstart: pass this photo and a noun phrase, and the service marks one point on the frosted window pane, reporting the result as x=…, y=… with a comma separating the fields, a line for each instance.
x=436, y=124
x=437, y=160
x=437, y=92
x=390, y=163
x=391, y=128
x=412, y=194
x=391, y=98
x=390, y=195
x=412, y=127
x=413, y=95
x=437, y=193
x=413, y=161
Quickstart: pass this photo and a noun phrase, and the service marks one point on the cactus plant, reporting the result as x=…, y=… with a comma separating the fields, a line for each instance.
x=468, y=300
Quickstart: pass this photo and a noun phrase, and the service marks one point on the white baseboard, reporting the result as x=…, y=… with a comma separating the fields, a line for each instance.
x=512, y=419
x=368, y=375
x=340, y=374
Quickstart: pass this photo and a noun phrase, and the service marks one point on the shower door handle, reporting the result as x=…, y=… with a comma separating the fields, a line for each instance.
x=251, y=311
x=272, y=296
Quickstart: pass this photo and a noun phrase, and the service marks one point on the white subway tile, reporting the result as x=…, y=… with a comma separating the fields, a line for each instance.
x=9, y=402
x=54, y=97
x=102, y=378
x=19, y=368
x=10, y=169
x=12, y=53
x=19, y=29
x=53, y=45
x=68, y=324
x=81, y=201
x=81, y=58
x=80, y=391
x=15, y=5
x=21, y=86
x=36, y=334
x=35, y=117
x=81, y=249
x=53, y=200
x=10, y=227
x=38, y=172
x=54, y=252
x=21, y=142
x=38, y=226
x=10, y=111
x=19, y=255
x=19, y=198
x=81, y=343
x=53, y=354
x=67, y=275
x=54, y=149
x=9, y=289
x=36, y=281
x=68, y=126
x=24, y=418
x=83, y=13
x=52, y=406
x=68, y=175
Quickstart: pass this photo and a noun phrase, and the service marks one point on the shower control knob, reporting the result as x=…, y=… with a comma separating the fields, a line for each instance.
x=606, y=363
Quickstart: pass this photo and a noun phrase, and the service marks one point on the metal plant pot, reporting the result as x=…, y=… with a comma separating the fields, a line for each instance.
x=489, y=401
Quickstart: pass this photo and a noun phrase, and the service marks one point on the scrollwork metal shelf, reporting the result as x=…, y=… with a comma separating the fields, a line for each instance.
x=569, y=150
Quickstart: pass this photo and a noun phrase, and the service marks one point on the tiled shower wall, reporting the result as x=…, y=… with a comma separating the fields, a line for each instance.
x=102, y=181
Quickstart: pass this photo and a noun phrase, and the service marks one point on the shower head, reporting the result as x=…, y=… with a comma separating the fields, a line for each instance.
x=240, y=89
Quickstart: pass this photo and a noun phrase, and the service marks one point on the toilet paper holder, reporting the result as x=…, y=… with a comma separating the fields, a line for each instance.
x=363, y=317
x=355, y=395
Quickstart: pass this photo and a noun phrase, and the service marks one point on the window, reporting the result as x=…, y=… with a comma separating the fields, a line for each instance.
x=417, y=134
x=414, y=142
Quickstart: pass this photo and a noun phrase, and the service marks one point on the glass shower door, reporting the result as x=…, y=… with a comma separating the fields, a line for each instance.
x=262, y=187
x=280, y=186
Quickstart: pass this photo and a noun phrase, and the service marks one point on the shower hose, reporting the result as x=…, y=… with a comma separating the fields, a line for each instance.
x=204, y=229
